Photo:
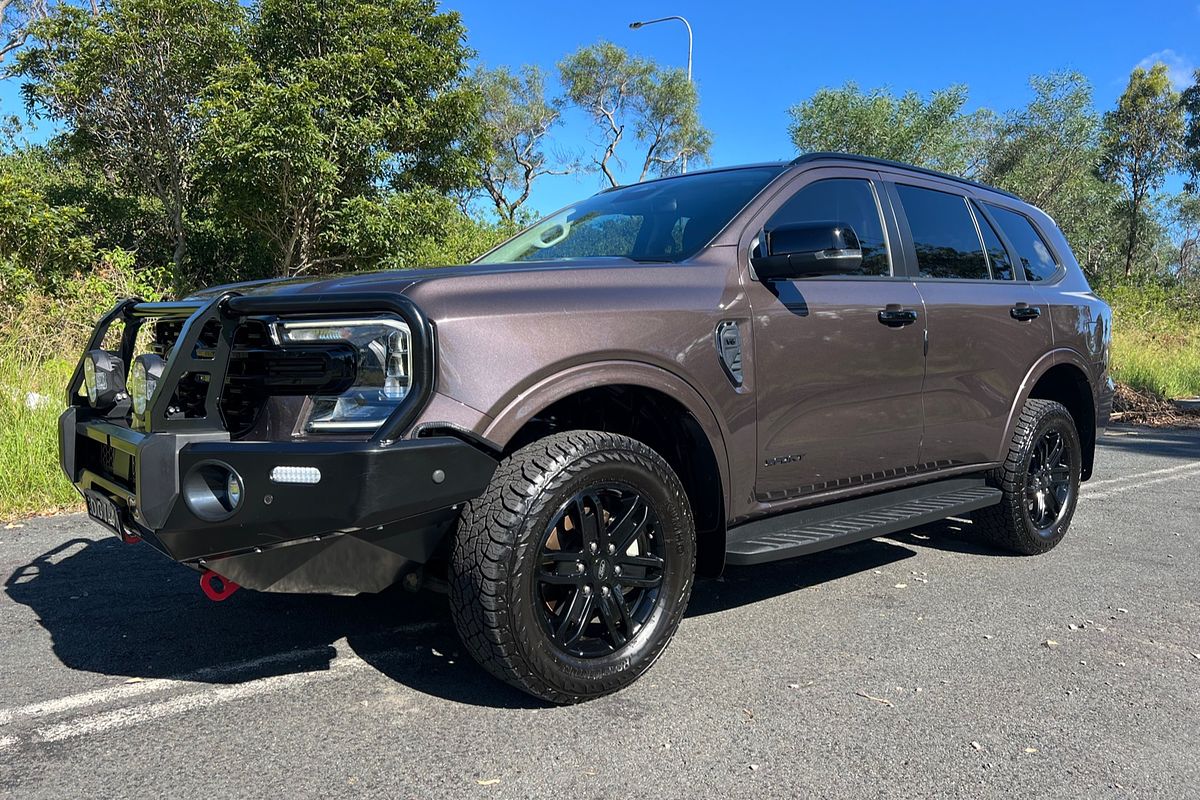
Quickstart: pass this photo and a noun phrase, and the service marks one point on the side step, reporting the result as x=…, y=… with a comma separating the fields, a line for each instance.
x=811, y=530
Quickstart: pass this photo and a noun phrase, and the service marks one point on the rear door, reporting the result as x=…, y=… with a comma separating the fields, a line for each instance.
x=986, y=325
x=838, y=391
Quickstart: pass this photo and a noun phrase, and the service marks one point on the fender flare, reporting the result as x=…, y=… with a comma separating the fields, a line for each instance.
x=1049, y=360
x=531, y=400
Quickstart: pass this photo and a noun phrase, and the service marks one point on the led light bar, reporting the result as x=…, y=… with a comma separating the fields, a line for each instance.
x=295, y=475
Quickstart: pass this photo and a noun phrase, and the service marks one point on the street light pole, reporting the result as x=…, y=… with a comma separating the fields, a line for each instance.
x=686, y=24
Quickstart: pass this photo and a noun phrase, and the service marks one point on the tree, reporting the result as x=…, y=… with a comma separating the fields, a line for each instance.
x=335, y=106
x=517, y=117
x=1190, y=103
x=1184, y=219
x=930, y=133
x=125, y=84
x=1046, y=152
x=667, y=122
x=1142, y=143
x=617, y=90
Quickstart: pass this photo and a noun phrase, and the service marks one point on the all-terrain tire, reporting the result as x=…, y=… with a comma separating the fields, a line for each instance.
x=1011, y=524
x=497, y=555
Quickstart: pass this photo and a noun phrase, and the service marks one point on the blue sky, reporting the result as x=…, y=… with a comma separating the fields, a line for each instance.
x=753, y=60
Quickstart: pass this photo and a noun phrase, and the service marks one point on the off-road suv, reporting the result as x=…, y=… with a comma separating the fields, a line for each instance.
x=728, y=367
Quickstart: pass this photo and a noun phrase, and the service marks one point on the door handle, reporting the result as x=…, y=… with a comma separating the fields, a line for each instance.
x=1023, y=312
x=896, y=317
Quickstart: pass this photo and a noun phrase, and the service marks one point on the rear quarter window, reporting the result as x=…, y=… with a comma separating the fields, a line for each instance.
x=1037, y=259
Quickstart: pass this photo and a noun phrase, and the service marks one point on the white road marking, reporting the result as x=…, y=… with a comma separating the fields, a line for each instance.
x=140, y=714
x=128, y=691
x=1139, y=475
x=1124, y=487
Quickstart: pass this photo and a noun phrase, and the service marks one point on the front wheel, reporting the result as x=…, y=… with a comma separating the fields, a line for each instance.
x=1039, y=479
x=571, y=573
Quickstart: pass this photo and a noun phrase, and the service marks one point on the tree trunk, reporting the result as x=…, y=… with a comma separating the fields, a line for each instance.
x=1131, y=244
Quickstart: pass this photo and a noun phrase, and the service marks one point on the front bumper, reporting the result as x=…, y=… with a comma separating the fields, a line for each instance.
x=377, y=511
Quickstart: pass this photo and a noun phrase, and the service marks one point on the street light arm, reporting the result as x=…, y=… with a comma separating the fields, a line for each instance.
x=686, y=24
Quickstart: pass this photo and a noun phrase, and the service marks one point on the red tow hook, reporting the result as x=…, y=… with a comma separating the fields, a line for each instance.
x=129, y=538
x=221, y=590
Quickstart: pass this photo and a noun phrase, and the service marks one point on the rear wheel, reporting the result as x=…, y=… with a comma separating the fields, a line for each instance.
x=1039, y=479
x=572, y=572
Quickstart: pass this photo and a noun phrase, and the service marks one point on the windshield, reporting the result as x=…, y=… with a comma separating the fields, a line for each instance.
x=666, y=220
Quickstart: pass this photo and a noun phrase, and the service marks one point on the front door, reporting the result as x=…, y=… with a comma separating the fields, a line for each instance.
x=838, y=390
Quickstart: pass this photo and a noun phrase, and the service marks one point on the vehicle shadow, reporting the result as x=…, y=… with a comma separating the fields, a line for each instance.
x=126, y=611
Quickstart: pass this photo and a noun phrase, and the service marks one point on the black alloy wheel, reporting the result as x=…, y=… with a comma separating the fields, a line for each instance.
x=601, y=570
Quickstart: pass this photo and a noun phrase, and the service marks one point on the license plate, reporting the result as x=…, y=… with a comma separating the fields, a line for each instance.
x=104, y=511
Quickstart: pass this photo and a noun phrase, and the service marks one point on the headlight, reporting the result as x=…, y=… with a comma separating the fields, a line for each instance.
x=143, y=380
x=104, y=378
x=384, y=369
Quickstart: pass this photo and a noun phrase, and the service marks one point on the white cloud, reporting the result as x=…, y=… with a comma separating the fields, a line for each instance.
x=1180, y=68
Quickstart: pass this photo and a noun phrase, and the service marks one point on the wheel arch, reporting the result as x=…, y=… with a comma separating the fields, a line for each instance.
x=1062, y=376
x=646, y=403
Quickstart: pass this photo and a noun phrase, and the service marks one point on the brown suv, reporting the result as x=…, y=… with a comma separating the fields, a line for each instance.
x=733, y=366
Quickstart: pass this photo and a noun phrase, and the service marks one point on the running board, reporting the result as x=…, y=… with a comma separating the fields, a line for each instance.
x=811, y=530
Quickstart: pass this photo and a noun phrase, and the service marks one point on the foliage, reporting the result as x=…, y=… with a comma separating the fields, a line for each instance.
x=1189, y=102
x=335, y=105
x=125, y=83
x=931, y=133
x=617, y=90
x=1046, y=152
x=517, y=117
x=1142, y=142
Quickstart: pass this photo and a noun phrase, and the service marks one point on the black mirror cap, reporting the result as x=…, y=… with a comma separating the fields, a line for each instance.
x=808, y=249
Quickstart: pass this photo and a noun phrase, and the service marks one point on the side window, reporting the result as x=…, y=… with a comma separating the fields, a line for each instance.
x=943, y=233
x=848, y=200
x=1035, y=255
x=1002, y=269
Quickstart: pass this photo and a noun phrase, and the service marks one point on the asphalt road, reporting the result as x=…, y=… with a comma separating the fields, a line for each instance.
x=920, y=665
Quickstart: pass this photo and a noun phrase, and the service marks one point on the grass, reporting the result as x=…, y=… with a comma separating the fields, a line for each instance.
x=1156, y=339
x=30, y=479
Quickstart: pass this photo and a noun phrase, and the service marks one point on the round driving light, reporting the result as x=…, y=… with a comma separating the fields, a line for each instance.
x=143, y=380
x=103, y=378
x=213, y=491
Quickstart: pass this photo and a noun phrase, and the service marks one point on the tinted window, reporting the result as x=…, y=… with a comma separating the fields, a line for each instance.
x=663, y=220
x=997, y=256
x=848, y=201
x=943, y=233
x=1032, y=249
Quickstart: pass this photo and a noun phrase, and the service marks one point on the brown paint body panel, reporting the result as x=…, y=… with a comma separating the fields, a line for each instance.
x=858, y=401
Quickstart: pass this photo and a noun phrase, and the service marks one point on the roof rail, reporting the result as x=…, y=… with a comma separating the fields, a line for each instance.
x=823, y=156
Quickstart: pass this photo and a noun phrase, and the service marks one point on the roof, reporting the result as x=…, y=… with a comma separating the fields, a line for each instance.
x=808, y=158
x=883, y=162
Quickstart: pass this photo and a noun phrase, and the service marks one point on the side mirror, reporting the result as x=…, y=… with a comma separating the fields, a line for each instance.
x=807, y=249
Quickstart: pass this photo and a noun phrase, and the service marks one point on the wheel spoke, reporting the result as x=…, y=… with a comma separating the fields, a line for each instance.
x=561, y=556
x=630, y=525
x=576, y=618
x=571, y=578
x=640, y=582
x=612, y=617
x=645, y=562
x=1060, y=474
x=1055, y=455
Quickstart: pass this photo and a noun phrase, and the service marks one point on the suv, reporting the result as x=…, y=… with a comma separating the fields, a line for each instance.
x=727, y=367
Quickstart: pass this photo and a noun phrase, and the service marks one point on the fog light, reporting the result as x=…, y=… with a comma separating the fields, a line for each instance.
x=103, y=378
x=143, y=381
x=213, y=491
x=295, y=475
